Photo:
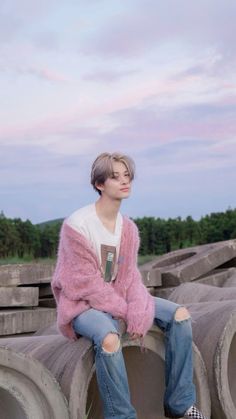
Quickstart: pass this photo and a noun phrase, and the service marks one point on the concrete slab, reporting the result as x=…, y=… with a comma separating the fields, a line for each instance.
x=19, y=296
x=25, y=320
x=28, y=273
x=189, y=264
x=151, y=277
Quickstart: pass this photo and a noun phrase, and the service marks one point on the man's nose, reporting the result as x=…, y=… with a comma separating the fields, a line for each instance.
x=124, y=180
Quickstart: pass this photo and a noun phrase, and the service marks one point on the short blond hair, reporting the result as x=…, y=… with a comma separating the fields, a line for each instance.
x=102, y=167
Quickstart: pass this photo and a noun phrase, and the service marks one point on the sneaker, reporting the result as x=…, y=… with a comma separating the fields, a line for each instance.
x=194, y=413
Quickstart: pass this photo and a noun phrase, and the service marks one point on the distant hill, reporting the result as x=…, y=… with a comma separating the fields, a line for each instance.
x=49, y=223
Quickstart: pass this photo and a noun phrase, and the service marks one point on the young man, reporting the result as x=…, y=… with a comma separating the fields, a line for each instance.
x=98, y=288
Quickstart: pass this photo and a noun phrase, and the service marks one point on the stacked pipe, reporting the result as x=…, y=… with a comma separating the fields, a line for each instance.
x=204, y=279
x=46, y=376
x=212, y=264
x=213, y=311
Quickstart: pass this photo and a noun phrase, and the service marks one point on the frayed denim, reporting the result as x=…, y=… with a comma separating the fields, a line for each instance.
x=110, y=367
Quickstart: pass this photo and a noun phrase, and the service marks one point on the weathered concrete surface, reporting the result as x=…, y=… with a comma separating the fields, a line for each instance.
x=72, y=364
x=29, y=273
x=214, y=332
x=150, y=276
x=27, y=389
x=217, y=277
x=189, y=264
x=18, y=296
x=51, y=329
x=25, y=320
x=231, y=280
x=146, y=379
x=197, y=293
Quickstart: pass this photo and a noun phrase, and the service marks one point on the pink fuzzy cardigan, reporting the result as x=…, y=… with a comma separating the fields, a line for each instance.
x=78, y=284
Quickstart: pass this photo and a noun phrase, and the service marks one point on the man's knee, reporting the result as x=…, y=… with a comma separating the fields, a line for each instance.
x=111, y=343
x=182, y=314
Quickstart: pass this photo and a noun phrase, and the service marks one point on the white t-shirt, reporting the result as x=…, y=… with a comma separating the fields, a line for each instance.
x=106, y=244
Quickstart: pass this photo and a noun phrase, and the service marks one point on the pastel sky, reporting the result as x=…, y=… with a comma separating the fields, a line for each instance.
x=153, y=79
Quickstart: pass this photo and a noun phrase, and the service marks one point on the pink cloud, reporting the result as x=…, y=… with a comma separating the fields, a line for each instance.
x=107, y=76
x=42, y=73
x=47, y=74
x=148, y=112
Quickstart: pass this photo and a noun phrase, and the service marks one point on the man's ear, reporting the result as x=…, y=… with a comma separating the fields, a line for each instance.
x=99, y=186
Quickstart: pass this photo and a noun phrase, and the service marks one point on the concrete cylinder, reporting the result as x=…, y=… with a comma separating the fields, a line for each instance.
x=47, y=330
x=146, y=378
x=27, y=389
x=214, y=332
x=50, y=377
x=196, y=293
x=69, y=364
x=145, y=373
x=230, y=282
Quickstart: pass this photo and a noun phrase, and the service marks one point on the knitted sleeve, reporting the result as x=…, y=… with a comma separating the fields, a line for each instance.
x=78, y=276
x=140, y=311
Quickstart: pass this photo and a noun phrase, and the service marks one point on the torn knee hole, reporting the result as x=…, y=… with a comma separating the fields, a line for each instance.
x=111, y=343
x=182, y=314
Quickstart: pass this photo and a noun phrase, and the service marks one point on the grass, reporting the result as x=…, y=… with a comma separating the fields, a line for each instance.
x=29, y=259
x=26, y=259
x=145, y=258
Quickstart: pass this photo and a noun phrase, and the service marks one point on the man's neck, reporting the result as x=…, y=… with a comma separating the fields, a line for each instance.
x=107, y=208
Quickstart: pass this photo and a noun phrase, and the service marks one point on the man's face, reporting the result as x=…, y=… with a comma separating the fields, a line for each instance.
x=118, y=186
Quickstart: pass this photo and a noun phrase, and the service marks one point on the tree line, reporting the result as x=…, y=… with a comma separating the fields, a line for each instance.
x=22, y=238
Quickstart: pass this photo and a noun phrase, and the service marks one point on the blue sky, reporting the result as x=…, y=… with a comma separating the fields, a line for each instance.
x=153, y=79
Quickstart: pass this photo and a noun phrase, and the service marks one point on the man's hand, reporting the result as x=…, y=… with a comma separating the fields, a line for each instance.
x=134, y=336
x=122, y=325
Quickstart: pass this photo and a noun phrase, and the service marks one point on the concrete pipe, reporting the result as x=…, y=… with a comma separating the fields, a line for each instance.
x=47, y=330
x=217, y=278
x=145, y=373
x=69, y=364
x=214, y=332
x=186, y=265
x=146, y=378
x=231, y=281
x=196, y=293
x=27, y=389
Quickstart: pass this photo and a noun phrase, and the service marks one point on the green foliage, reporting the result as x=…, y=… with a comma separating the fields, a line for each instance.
x=23, y=241
x=160, y=236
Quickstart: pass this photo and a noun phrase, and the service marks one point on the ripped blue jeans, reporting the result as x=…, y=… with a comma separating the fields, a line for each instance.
x=110, y=367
